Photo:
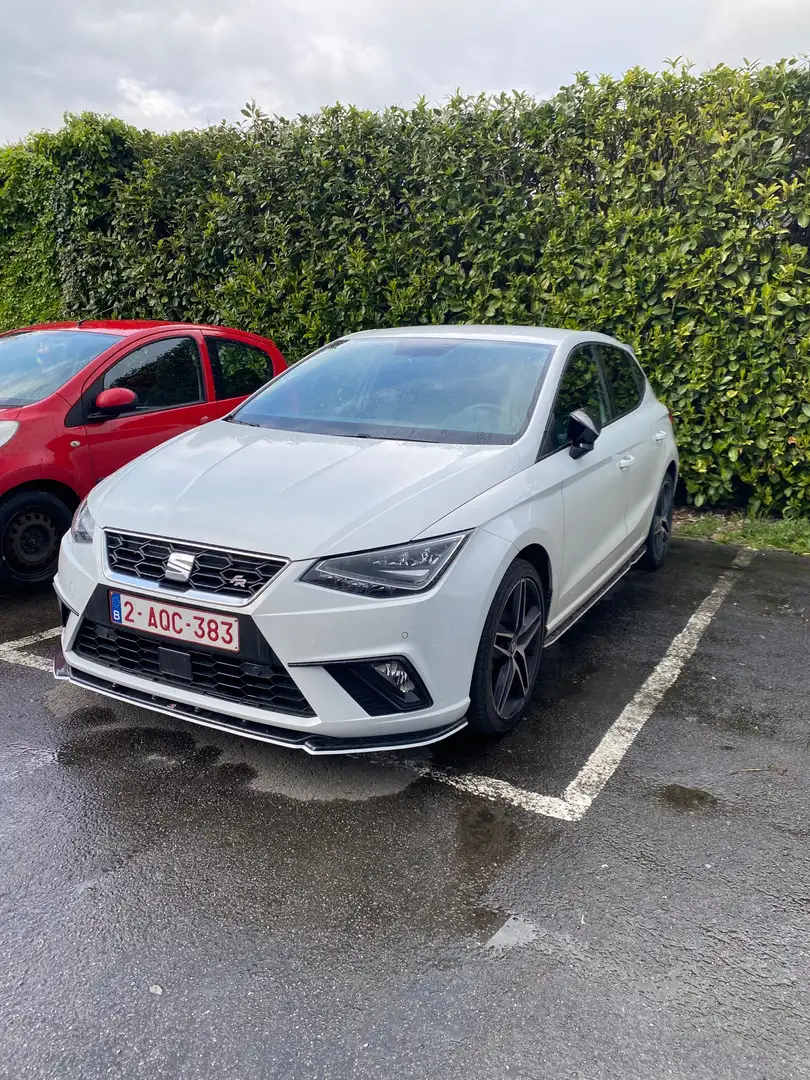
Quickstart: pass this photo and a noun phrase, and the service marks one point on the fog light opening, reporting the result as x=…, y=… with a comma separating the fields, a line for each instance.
x=381, y=685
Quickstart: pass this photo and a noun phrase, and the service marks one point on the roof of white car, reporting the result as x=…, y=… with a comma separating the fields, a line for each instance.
x=547, y=334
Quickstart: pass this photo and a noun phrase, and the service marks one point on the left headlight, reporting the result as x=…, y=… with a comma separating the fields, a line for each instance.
x=8, y=429
x=83, y=526
x=388, y=572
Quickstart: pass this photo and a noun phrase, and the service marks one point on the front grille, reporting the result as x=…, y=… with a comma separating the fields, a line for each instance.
x=265, y=684
x=223, y=573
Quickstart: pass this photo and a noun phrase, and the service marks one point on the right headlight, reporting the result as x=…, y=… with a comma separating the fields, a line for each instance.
x=8, y=429
x=388, y=572
x=83, y=525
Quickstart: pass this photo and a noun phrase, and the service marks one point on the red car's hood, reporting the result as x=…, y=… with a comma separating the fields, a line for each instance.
x=9, y=414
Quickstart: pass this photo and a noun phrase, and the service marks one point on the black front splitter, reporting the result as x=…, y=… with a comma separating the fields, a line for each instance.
x=251, y=729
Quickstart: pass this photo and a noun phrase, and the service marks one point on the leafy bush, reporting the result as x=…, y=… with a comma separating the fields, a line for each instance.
x=670, y=210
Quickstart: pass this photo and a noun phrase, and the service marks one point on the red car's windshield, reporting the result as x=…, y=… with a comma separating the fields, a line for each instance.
x=36, y=363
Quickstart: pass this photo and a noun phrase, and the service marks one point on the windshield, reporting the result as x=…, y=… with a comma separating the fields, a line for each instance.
x=415, y=388
x=36, y=363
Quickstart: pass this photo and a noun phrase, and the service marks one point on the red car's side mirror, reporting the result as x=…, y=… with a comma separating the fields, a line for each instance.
x=116, y=400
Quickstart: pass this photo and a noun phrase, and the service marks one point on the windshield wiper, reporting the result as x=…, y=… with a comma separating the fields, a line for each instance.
x=389, y=438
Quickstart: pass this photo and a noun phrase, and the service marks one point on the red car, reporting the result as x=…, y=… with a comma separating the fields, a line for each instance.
x=79, y=400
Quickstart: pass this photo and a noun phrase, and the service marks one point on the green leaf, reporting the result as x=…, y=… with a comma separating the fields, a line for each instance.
x=662, y=209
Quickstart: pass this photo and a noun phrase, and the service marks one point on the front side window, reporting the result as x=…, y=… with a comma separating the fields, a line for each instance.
x=37, y=363
x=580, y=387
x=239, y=369
x=625, y=380
x=422, y=389
x=165, y=374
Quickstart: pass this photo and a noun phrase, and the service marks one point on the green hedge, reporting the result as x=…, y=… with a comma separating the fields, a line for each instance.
x=671, y=210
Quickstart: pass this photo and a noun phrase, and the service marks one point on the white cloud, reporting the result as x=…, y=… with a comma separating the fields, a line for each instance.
x=151, y=107
x=756, y=29
x=172, y=63
x=340, y=58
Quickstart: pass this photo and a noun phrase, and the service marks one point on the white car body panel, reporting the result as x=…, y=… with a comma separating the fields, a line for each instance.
x=303, y=497
x=295, y=495
x=652, y=454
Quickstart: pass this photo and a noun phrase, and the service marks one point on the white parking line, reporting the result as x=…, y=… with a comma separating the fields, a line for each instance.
x=605, y=759
x=603, y=762
x=12, y=652
x=485, y=787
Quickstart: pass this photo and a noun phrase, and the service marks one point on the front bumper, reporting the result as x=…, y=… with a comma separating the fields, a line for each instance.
x=293, y=740
x=308, y=628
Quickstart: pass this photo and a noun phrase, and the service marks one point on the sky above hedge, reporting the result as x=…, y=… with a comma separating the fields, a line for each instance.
x=168, y=64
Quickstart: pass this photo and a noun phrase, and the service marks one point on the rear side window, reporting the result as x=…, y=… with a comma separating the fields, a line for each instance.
x=625, y=380
x=581, y=387
x=165, y=374
x=239, y=369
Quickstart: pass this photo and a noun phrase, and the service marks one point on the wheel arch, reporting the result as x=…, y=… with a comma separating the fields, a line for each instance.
x=50, y=487
x=537, y=555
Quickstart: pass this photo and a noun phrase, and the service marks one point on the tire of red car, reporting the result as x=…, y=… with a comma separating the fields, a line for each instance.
x=32, y=524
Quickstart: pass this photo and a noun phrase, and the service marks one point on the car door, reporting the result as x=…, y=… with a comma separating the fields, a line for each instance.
x=638, y=416
x=172, y=385
x=595, y=532
x=238, y=370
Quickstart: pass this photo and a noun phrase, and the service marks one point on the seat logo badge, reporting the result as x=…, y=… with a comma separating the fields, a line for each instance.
x=179, y=566
x=239, y=582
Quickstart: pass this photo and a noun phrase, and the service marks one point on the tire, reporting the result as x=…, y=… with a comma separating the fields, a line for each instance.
x=32, y=524
x=660, y=533
x=505, y=674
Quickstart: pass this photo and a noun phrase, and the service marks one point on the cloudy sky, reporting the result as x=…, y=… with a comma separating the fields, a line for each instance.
x=179, y=63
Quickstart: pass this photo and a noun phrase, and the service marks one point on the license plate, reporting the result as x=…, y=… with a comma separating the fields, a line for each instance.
x=175, y=622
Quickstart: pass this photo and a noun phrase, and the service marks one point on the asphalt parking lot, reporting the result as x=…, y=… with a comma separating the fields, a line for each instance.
x=620, y=888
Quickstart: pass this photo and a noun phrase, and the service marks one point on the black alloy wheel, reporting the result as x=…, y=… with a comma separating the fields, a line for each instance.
x=508, y=658
x=660, y=532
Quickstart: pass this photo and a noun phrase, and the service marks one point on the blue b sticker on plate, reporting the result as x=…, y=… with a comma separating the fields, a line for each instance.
x=115, y=607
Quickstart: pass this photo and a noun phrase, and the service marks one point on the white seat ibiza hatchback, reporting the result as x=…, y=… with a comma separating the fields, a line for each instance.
x=374, y=549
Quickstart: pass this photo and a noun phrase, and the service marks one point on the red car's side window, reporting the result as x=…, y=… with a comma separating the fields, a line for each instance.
x=238, y=369
x=164, y=374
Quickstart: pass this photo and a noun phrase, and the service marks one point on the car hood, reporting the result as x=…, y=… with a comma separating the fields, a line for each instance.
x=295, y=495
x=8, y=413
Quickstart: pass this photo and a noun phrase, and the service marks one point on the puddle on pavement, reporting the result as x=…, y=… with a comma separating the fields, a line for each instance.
x=724, y=713
x=687, y=798
x=741, y=722
x=487, y=836
x=567, y=682
x=163, y=745
x=516, y=931
x=779, y=606
x=140, y=780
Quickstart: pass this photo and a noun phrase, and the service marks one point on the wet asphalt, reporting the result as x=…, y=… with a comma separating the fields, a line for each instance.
x=180, y=904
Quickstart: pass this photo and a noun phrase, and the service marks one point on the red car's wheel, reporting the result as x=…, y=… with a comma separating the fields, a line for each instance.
x=32, y=524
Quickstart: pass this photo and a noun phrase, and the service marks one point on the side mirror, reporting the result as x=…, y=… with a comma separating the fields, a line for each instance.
x=116, y=401
x=583, y=432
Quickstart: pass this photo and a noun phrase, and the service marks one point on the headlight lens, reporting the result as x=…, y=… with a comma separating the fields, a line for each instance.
x=8, y=429
x=83, y=526
x=395, y=571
